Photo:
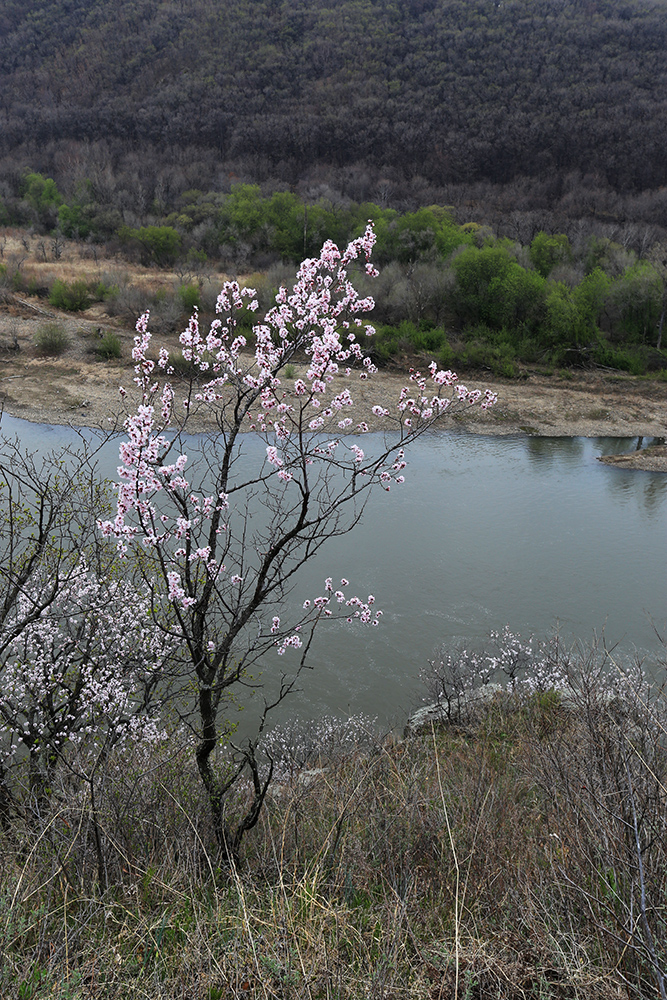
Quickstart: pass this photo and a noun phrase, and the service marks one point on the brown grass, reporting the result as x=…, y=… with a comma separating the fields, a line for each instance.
x=492, y=859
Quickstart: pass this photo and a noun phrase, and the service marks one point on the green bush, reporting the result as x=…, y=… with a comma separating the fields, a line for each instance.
x=546, y=252
x=492, y=288
x=101, y=291
x=499, y=358
x=407, y=336
x=183, y=369
x=634, y=359
x=73, y=298
x=427, y=341
x=51, y=339
x=157, y=244
x=190, y=297
x=43, y=196
x=109, y=346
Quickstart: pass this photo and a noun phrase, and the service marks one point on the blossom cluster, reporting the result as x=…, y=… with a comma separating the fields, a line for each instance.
x=82, y=669
x=527, y=665
x=318, y=743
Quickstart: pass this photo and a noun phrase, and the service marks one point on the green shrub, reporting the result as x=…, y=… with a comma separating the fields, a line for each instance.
x=407, y=336
x=109, y=346
x=101, y=291
x=73, y=298
x=51, y=339
x=498, y=358
x=190, y=297
x=546, y=252
x=635, y=359
x=384, y=344
x=157, y=244
x=182, y=368
x=446, y=355
x=427, y=341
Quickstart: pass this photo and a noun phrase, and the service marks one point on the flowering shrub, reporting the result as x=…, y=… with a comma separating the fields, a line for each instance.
x=298, y=745
x=221, y=548
x=455, y=678
x=81, y=676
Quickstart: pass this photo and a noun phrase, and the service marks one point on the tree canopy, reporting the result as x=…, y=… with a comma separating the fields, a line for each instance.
x=447, y=89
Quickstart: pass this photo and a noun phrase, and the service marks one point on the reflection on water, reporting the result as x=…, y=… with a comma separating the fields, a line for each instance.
x=616, y=446
x=566, y=450
x=485, y=532
x=645, y=489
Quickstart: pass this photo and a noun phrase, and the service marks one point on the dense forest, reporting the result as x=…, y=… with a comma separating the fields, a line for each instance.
x=554, y=102
x=510, y=154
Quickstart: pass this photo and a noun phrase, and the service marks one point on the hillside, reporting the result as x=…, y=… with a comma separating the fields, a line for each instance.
x=414, y=92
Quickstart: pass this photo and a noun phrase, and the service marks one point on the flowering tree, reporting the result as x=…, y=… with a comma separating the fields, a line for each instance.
x=77, y=681
x=80, y=655
x=223, y=542
x=83, y=673
x=48, y=506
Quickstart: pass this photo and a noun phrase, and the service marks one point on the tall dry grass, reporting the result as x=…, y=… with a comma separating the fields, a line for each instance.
x=517, y=852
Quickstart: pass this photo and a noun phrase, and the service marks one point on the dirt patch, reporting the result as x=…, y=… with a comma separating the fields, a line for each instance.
x=54, y=390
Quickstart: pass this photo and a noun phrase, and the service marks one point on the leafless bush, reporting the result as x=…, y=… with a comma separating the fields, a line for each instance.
x=605, y=786
x=129, y=301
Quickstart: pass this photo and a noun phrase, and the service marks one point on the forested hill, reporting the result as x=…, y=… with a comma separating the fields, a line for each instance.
x=450, y=90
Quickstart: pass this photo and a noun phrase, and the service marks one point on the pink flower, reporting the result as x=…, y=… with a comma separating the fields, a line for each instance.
x=272, y=456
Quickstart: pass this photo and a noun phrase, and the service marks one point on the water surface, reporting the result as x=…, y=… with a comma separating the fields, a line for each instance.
x=485, y=532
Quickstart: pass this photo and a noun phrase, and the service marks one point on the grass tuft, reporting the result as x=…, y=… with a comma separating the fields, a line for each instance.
x=51, y=339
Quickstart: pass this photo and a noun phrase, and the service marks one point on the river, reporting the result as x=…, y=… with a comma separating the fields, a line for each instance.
x=486, y=531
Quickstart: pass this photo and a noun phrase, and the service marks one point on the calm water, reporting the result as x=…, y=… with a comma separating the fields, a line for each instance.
x=485, y=532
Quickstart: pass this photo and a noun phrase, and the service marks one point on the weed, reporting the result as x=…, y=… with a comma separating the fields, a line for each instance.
x=190, y=298
x=599, y=413
x=101, y=291
x=73, y=297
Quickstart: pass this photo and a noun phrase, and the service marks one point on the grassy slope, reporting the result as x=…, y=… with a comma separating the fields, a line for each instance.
x=491, y=858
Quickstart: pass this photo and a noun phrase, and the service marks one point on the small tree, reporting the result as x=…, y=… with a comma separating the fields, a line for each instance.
x=77, y=681
x=157, y=244
x=224, y=544
x=48, y=508
x=546, y=252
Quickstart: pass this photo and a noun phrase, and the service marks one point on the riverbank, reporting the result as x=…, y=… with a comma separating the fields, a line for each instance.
x=76, y=388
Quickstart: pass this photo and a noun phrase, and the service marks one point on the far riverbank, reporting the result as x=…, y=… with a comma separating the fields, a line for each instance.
x=85, y=393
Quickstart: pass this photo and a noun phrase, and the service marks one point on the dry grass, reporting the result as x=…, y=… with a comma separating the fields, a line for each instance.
x=81, y=261
x=494, y=859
